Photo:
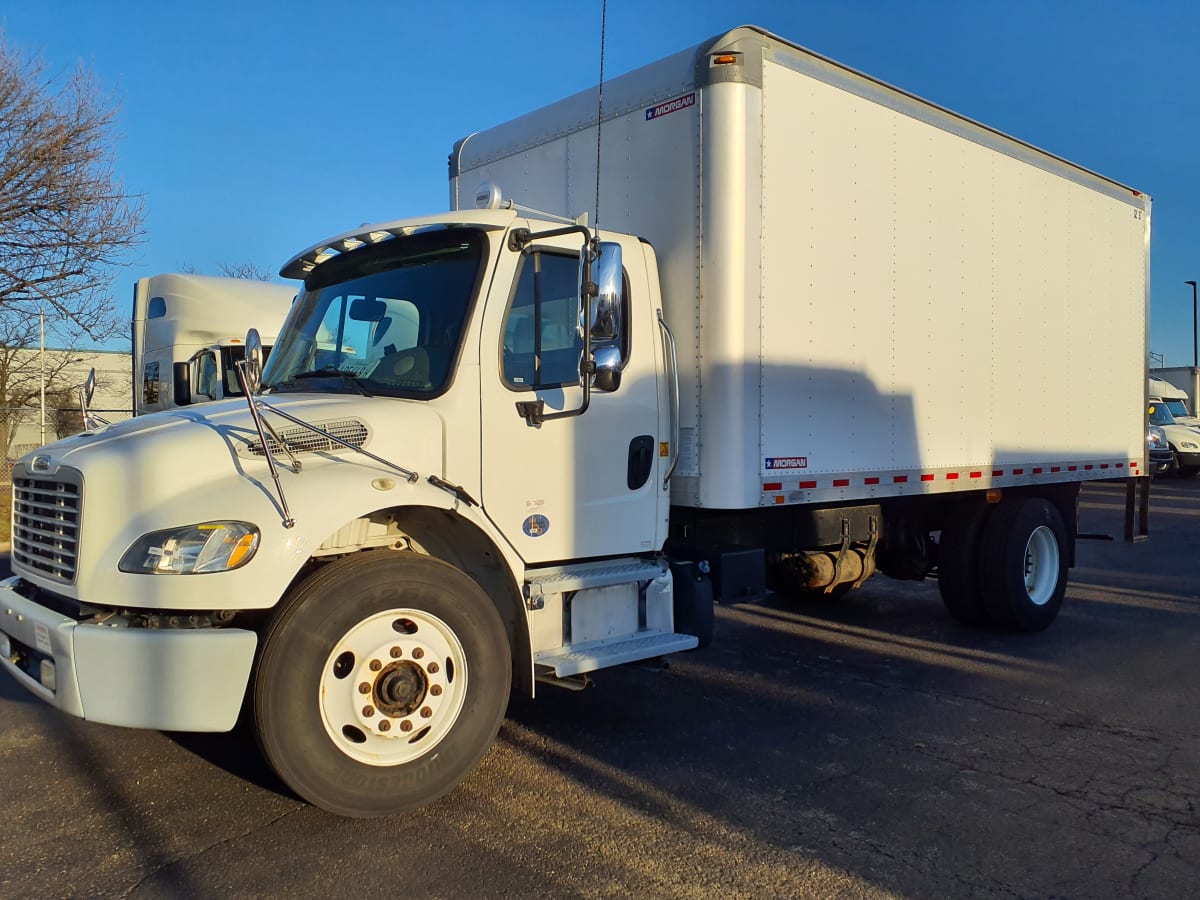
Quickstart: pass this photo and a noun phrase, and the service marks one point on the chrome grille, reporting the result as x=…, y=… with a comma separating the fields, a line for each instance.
x=45, y=524
x=301, y=440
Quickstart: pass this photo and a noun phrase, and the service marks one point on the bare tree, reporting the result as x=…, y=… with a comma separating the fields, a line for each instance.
x=65, y=218
x=246, y=270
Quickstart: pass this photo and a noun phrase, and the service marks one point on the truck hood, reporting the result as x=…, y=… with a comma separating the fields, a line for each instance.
x=205, y=463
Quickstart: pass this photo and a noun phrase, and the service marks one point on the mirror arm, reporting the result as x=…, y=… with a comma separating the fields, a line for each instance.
x=520, y=238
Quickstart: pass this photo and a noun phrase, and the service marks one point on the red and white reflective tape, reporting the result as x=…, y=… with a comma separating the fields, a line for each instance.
x=850, y=486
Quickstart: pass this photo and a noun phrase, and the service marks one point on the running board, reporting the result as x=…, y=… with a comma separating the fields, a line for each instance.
x=568, y=661
x=577, y=577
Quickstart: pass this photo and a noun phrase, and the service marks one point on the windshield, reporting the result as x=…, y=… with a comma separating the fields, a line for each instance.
x=1177, y=407
x=1160, y=415
x=385, y=319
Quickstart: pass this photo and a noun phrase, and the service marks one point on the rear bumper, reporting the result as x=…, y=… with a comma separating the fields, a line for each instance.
x=185, y=679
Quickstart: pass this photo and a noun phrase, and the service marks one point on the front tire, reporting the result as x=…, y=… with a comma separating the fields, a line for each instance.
x=381, y=683
x=1023, y=564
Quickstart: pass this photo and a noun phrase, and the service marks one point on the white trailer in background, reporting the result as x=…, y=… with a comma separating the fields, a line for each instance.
x=492, y=448
x=188, y=331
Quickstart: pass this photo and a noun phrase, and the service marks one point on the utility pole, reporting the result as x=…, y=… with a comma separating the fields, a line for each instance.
x=42, y=361
x=1195, y=355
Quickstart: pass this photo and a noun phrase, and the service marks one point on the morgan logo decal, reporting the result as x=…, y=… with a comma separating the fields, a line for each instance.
x=671, y=106
x=786, y=462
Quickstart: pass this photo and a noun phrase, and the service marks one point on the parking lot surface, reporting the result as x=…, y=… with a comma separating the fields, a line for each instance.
x=865, y=747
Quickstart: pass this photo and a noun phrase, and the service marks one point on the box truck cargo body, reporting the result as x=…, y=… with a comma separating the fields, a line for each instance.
x=872, y=296
x=823, y=328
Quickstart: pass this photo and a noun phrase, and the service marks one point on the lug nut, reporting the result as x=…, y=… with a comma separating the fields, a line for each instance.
x=385, y=725
x=406, y=725
x=368, y=711
x=436, y=690
x=418, y=653
x=397, y=653
x=364, y=688
x=426, y=712
x=376, y=665
x=433, y=668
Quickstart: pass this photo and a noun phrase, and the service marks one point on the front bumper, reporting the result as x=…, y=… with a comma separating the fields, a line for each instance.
x=169, y=679
x=1161, y=461
x=1188, y=457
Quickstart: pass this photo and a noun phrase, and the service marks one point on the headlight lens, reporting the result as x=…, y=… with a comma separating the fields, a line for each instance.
x=1188, y=445
x=1157, y=438
x=192, y=549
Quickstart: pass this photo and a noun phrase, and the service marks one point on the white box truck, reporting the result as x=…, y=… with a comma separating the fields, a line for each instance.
x=490, y=449
x=188, y=332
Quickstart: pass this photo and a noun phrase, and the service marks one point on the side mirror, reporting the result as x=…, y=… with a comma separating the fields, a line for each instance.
x=181, y=379
x=89, y=388
x=608, y=362
x=604, y=317
x=254, y=361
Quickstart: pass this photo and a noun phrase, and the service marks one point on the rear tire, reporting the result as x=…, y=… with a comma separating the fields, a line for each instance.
x=1023, y=564
x=958, y=563
x=381, y=683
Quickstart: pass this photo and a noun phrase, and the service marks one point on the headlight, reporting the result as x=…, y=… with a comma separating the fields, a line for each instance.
x=192, y=549
x=1157, y=438
x=1188, y=445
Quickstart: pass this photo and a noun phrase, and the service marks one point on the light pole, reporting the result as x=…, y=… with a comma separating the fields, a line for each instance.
x=42, y=363
x=1195, y=356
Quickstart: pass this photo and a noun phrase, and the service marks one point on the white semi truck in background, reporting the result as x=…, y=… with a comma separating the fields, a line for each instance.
x=188, y=333
x=491, y=450
x=1169, y=411
x=1186, y=379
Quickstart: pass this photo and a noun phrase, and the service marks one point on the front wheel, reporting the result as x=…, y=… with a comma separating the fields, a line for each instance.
x=381, y=683
x=1023, y=564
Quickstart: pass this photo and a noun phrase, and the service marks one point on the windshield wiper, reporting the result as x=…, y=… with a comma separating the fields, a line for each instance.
x=328, y=372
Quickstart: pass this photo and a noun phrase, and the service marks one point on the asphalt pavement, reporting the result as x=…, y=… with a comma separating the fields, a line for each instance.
x=867, y=747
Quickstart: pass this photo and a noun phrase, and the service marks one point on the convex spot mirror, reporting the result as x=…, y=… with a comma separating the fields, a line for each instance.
x=254, y=361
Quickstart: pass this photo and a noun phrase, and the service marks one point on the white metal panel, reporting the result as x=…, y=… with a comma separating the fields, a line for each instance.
x=932, y=302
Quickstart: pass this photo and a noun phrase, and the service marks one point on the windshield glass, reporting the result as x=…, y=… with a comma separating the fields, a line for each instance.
x=1177, y=407
x=385, y=319
x=1160, y=415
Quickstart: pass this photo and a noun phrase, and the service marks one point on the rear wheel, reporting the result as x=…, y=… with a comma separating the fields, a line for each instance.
x=1023, y=564
x=958, y=563
x=381, y=683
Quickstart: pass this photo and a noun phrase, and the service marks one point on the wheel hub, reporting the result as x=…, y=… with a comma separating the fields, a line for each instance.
x=393, y=687
x=400, y=689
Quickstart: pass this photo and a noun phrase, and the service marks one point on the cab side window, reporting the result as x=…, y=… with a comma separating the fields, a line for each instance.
x=543, y=344
x=206, y=377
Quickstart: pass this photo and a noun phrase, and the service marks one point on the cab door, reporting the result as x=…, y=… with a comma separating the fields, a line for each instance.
x=580, y=486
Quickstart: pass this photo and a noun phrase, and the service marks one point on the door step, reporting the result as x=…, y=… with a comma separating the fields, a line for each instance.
x=568, y=661
x=579, y=576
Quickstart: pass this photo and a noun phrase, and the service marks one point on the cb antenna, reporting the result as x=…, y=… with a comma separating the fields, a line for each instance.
x=600, y=112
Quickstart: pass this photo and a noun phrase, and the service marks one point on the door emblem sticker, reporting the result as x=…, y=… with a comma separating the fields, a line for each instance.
x=535, y=526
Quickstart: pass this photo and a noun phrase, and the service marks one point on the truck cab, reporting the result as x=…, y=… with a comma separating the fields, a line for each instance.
x=188, y=333
x=1182, y=436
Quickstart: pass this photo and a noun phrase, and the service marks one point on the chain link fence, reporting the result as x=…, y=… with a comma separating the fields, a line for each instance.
x=23, y=430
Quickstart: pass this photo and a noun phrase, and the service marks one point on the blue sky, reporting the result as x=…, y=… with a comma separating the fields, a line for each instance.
x=254, y=129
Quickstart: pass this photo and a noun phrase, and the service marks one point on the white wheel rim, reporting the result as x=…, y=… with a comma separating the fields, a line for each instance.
x=1041, y=565
x=393, y=687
